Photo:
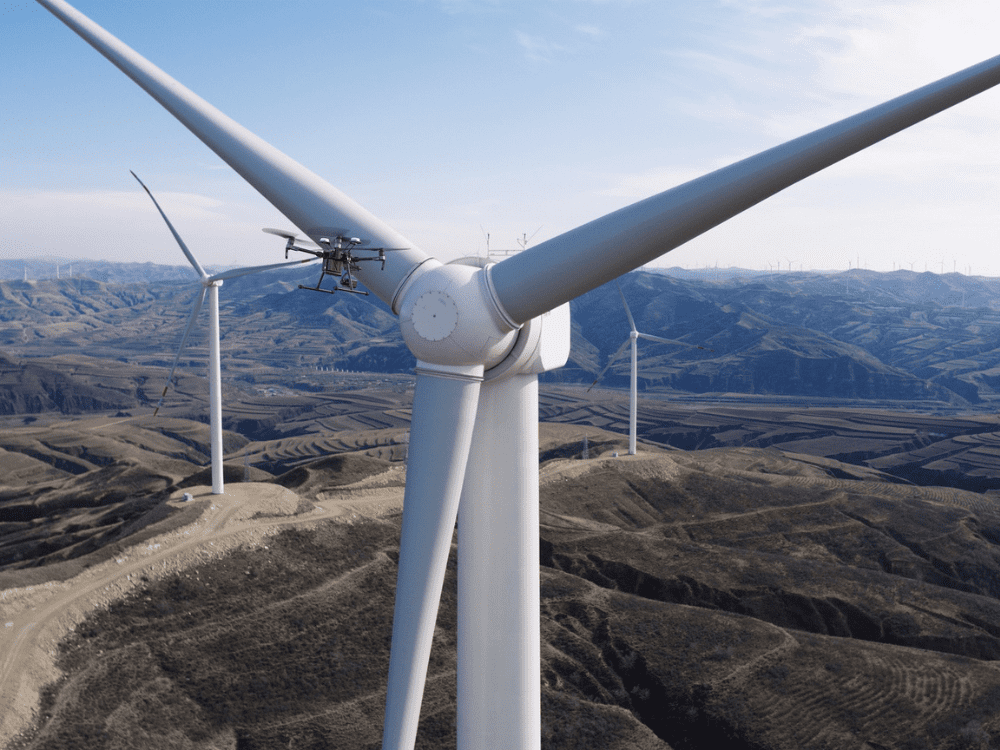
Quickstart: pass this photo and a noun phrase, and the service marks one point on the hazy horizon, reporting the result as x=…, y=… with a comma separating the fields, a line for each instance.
x=63, y=262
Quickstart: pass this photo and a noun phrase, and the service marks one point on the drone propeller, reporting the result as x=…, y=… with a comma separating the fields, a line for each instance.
x=290, y=236
x=293, y=242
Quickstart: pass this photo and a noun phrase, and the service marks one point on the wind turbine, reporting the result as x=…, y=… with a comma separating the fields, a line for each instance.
x=210, y=286
x=634, y=337
x=481, y=334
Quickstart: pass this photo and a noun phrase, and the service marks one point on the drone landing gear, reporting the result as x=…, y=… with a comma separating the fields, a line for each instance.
x=347, y=281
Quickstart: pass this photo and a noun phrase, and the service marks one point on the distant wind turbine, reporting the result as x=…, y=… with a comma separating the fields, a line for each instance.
x=209, y=285
x=633, y=338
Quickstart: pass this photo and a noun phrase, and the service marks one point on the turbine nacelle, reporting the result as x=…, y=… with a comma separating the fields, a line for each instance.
x=449, y=318
x=543, y=344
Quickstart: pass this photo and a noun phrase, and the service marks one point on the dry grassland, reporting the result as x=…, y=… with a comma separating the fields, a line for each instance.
x=769, y=595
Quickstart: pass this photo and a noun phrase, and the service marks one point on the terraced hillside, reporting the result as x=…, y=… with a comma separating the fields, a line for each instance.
x=949, y=449
x=71, y=490
x=739, y=598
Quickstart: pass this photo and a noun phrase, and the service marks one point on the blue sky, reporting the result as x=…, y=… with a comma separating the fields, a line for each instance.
x=451, y=119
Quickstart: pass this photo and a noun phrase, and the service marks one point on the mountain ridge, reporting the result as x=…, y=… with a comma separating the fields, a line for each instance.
x=859, y=334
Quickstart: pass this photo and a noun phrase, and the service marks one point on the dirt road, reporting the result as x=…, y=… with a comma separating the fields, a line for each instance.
x=34, y=619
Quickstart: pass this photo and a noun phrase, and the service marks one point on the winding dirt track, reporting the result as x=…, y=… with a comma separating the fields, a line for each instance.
x=34, y=619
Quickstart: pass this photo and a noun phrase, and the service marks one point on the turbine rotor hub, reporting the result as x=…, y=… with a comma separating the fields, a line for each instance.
x=448, y=318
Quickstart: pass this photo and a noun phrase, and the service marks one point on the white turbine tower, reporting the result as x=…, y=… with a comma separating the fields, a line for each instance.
x=633, y=338
x=481, y=335
x=209, y=286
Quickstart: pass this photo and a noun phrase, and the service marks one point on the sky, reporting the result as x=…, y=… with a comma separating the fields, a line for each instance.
x=467, y=124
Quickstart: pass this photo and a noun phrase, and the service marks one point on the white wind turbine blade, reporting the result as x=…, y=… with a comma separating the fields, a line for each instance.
x=187, y=332
x=235, y=273
x=566, y=266
x=610, y=362
x=444, y=414
x=628, y=312
x=651, y=337
x=188, y=254
x=639, y=334
x=309, y=202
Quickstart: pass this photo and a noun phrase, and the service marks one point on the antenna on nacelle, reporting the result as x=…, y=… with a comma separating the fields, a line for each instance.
x=487, y=236
x=525, y=239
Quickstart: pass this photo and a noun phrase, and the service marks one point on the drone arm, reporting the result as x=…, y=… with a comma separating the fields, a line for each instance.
x=317, y=253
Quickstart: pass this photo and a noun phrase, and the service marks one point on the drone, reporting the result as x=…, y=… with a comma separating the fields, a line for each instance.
x=338, y=258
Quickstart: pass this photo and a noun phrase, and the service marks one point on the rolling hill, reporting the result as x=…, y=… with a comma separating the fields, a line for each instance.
x=858, y=336
x=739, y=598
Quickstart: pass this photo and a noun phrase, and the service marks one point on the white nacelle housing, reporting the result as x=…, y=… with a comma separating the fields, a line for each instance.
x=448, y=318
x=542, y=345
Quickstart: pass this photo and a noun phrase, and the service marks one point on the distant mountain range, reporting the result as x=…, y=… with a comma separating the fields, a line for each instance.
x=43, y=269
x=857, y=335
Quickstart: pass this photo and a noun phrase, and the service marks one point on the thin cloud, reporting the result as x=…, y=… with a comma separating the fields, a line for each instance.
x=594, y=32
x=124, y=225
x=538, y=48
x=882, y=50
